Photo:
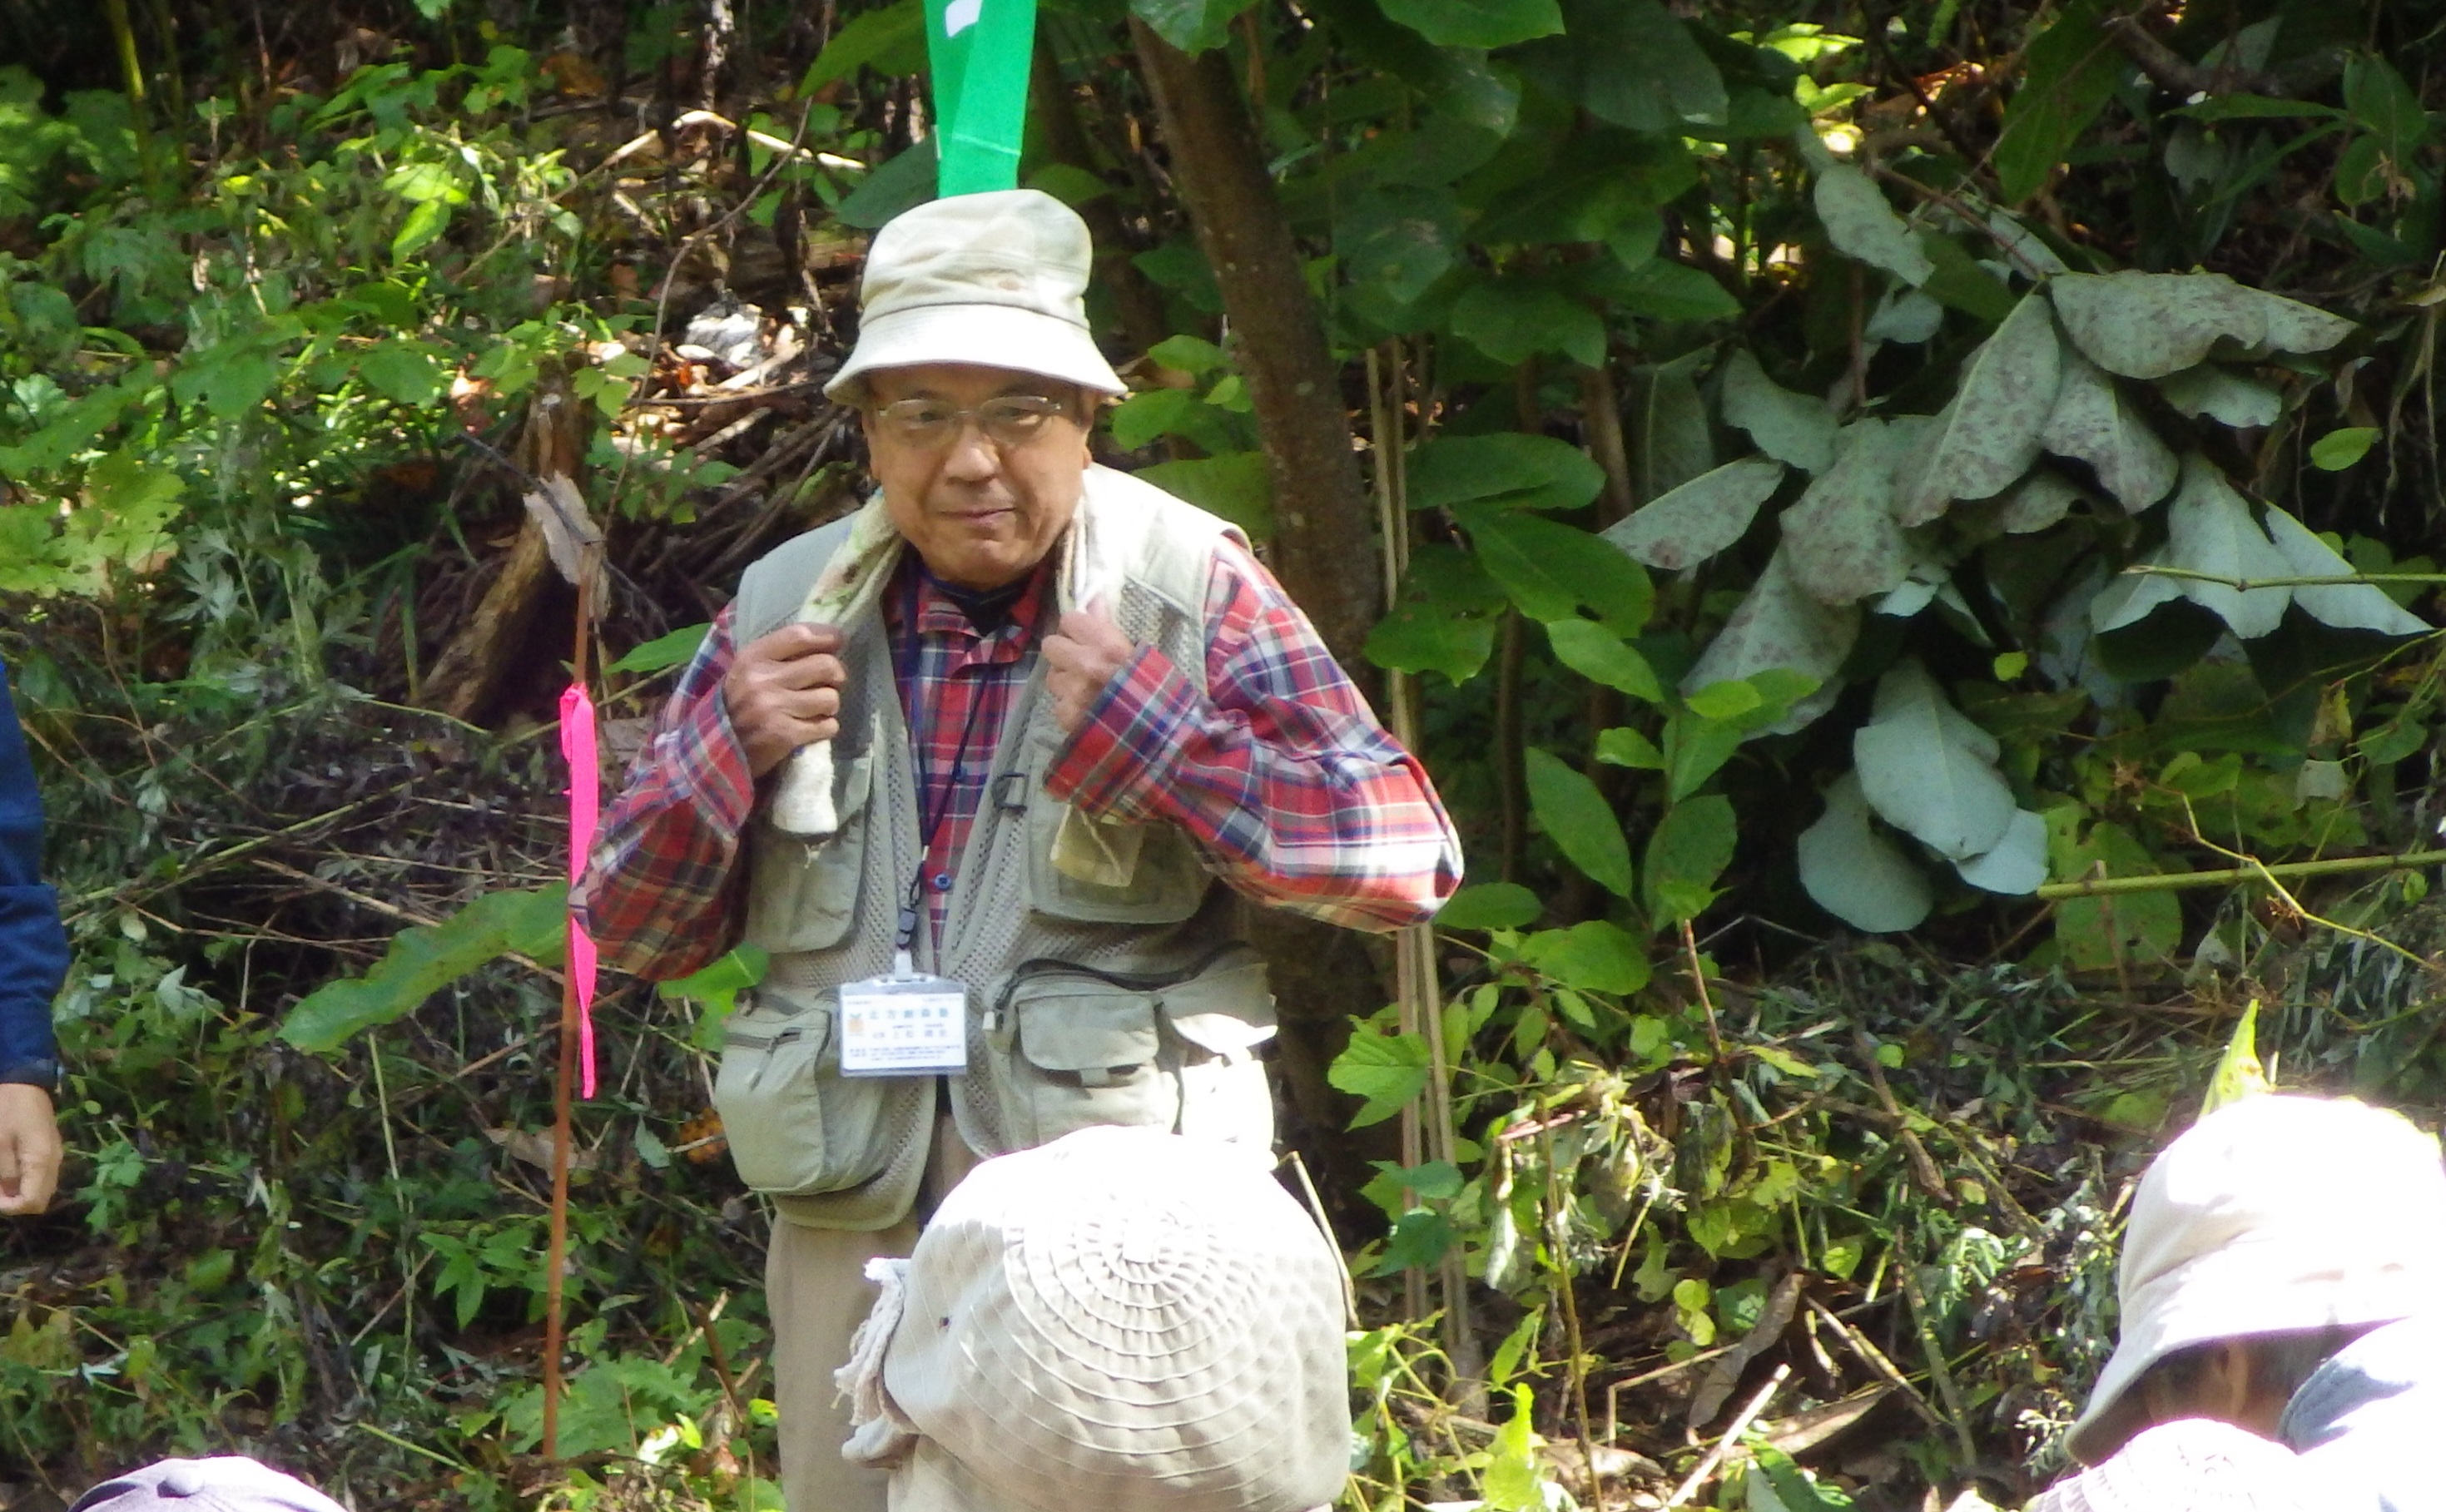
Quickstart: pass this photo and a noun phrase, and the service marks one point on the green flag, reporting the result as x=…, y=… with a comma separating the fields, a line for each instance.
x=979, y=52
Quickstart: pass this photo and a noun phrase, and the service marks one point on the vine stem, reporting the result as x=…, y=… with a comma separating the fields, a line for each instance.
x=2246, y=585
x=2224, y=876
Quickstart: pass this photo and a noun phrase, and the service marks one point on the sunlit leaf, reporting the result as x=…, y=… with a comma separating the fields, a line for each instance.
x=1702, y=517
x=1794, y=428
x=1857, y=875
x=2091, y=422
x=1386, y=1070
x=422, y=961
x=1577, y=818
x=1863, y=225
x=1988, y=435
x=1490, y=906
x=1689, y=848
x=1929, y=771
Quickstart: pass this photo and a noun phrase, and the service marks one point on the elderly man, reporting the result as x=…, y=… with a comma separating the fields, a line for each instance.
x=968, y=765
x=2282, y=1280
x=33, y=961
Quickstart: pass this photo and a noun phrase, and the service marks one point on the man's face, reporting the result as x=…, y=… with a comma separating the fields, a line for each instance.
x=982, y=512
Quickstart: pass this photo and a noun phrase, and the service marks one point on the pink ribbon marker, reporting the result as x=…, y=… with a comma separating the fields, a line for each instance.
x=585, y=802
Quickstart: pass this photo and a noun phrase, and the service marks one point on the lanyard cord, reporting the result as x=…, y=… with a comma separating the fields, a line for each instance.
x=905, y=934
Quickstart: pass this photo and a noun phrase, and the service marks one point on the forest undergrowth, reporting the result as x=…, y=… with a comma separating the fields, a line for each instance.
x=1678, y=1135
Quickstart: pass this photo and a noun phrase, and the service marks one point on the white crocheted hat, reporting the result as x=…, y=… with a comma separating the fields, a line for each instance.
x=1127, y=1320
x=2272, y=1214
x=996, y=279
x=2197, y=1464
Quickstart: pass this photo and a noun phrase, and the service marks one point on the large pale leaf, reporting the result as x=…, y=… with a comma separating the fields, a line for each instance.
x=1993, y=425
x=2223, y=394
x=422, y=961
x=1779, y=625
x=1702, y=517
x=1862, y=225
x=1577, y=817
x=2017, y=863
x=1842, y=540
x=2209, y=528
x=2151, y=324
x=1665, y=425
x=2345, y=605
x=1929, y=771
x=2036, y=503
x=1857, y=875
x=2091, y=422
x=1788, y=427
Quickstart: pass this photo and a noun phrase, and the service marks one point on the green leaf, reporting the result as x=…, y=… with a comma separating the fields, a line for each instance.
x=425, y=223
x=1857, y=875
x=1517, y=469
x=1148, y=416
x=1445, y=620
x=1514, y=319
x=1601, y=656
x=2340, y=449
x=1790, y=427
x=1193, y=25
x=2068, y=74
x=901, y=182
x=1490, y=906
x=1663, y=290
x=1590, y=957
x=1513, y=1480
x=422, y=961
x=1388, y=1070
x=1233, y=485
x=1698, y=520
x=891, y=40
x=2380, y=104
x=1696, y=748
x=1988, y=436
x=2091, y=421
x=2129, y=928
x=2239, y=1074
x=1863, y=226
x=422, y=183
x=663, y=651
x=1626, y=747
x=1577, y=817
x=1472, y=22
x=2209, y=528
x=1841, y=541
x=1690, y=848
x=1402, y=237
x=1419, y=1237
x=403, y=372
x=717, y=986
x=1633, y=64
x=1550, y=569
x=1929, y=771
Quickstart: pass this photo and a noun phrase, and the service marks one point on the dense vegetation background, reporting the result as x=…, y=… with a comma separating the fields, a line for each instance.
x=1866, y=862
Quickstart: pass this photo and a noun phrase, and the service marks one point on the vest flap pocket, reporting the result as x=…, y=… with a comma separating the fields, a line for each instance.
x=1086, y=1027
x=797, y=1128
x=1225, y=1010
x=801, y=894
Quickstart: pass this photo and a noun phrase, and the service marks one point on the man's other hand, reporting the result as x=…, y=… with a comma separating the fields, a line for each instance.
x=1080, y=659
x=29, y=1148
x=784, y=692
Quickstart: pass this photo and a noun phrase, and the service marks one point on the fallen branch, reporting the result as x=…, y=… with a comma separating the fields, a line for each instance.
x=1748, y=1414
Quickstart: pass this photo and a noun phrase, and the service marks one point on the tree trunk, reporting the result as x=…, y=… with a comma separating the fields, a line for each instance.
x=1322, y=522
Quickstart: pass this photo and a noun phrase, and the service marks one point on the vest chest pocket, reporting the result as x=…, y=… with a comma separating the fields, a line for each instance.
x=1171, y=1051
x=796, y=1127
x=801, y=894
x=1100, y=871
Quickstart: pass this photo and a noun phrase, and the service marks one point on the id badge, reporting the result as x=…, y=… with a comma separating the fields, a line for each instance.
x=904, y=1025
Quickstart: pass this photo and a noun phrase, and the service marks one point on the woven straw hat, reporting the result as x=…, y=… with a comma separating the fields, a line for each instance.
x=996, y=279
x=1127, y=1320
x=2197, y=1464
x=2272, y=1214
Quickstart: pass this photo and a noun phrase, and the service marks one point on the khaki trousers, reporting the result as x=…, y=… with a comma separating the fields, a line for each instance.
x=817, y=1291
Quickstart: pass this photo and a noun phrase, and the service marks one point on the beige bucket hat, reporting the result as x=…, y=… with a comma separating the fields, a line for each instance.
x=2272, y=1214
x=997, y=279
x=1128, y=1320
x=2197, y=1464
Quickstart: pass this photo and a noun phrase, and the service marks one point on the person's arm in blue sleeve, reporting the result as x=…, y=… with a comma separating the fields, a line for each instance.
x=33, y=963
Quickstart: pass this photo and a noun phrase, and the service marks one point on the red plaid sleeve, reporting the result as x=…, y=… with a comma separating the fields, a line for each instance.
x=1276, y=766
x=657, y=893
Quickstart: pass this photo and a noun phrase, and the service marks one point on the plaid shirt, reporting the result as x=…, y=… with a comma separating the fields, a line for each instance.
x=1294, y=794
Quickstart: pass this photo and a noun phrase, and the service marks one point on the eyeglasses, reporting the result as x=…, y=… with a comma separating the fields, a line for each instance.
x=1009, y=420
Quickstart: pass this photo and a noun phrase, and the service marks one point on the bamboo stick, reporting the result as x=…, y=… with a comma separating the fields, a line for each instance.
x=2178, y=881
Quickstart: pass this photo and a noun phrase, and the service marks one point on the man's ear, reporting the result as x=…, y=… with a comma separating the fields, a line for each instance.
x=2229, y=1385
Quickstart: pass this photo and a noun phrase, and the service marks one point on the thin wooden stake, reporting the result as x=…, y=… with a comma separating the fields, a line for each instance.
x=1723, y=1446
x=558, y=1254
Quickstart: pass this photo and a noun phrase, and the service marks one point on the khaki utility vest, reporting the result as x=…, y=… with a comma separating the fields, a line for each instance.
x=1088, y=1003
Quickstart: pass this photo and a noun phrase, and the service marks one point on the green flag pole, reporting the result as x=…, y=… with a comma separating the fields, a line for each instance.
x=979, y=51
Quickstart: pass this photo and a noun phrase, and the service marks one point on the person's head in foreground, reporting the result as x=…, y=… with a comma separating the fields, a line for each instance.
x=1124, y=1320
x=977, y=379
x=227, y=1483
x=2270, y=1235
